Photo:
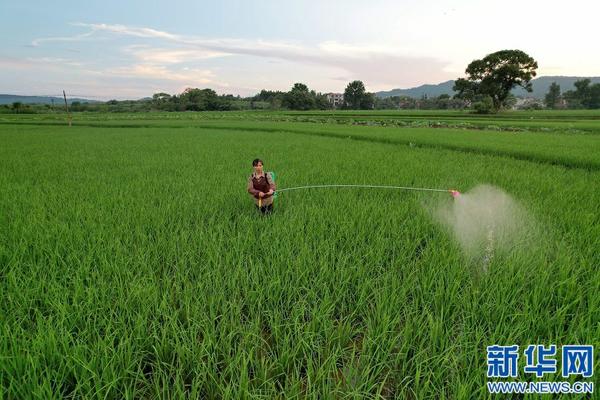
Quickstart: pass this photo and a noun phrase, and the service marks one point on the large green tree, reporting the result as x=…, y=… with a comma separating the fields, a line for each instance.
x=161, y=100
x=194, y=99
x=582, y=90
x=552, y=98
x=496, y=75
x=299, y=98
x=594, y=96
x=357, y=98
x=17, y=106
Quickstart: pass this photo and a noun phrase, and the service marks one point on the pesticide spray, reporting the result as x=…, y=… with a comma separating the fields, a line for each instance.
x=484, y=221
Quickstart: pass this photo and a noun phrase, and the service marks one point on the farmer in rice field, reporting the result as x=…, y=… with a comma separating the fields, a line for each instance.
x=261, y=186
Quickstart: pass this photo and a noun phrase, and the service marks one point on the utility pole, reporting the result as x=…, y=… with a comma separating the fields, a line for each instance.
x=67, y=108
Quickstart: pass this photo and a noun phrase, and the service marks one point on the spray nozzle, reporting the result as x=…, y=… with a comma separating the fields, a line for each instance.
x=454, y=193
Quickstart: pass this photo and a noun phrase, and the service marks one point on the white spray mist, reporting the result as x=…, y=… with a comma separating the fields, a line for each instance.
x=484, y=221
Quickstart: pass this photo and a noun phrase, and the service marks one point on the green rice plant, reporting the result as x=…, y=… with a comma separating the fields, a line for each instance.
x=133, y=264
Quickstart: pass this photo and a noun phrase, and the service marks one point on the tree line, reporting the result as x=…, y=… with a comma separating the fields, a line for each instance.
x=299, y=97
x=585, y=96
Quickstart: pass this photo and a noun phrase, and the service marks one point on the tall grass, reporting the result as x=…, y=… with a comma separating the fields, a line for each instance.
x=133, y=265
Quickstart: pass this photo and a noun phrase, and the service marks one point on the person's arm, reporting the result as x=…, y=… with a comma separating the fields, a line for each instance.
x=251, y=189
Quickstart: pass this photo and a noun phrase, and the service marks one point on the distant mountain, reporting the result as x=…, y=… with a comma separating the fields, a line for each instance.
x=12, y=98
x=419, y=91
x=540, y=88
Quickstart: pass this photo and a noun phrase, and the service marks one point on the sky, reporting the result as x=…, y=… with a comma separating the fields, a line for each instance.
x=119, y=49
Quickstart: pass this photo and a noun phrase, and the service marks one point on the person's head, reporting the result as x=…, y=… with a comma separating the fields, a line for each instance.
x=257, y=164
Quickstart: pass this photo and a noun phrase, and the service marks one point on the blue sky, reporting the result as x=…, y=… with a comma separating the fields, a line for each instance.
x=132, y=49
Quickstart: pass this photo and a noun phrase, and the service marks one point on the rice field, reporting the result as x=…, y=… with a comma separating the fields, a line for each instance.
x=134, y=265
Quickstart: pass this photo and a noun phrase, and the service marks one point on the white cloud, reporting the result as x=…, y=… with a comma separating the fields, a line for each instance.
x=55, y=60
x=380, y=65
x=38, y=62
x=75, y=38
x=156, y=55
x=126, y=30
x=147, y=71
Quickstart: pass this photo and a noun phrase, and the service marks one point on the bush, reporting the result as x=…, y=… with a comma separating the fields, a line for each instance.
x=484, y=106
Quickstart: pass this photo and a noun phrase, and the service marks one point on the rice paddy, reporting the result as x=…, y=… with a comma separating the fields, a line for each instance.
x=134, y=265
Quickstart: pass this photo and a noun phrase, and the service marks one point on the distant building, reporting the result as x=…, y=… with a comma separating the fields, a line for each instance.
x=528, y=103
x=335, y=99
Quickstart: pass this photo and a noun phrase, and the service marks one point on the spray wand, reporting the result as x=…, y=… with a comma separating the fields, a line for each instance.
x=453, y=192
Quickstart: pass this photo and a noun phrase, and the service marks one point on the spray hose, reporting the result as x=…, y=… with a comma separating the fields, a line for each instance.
x=453, y=192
